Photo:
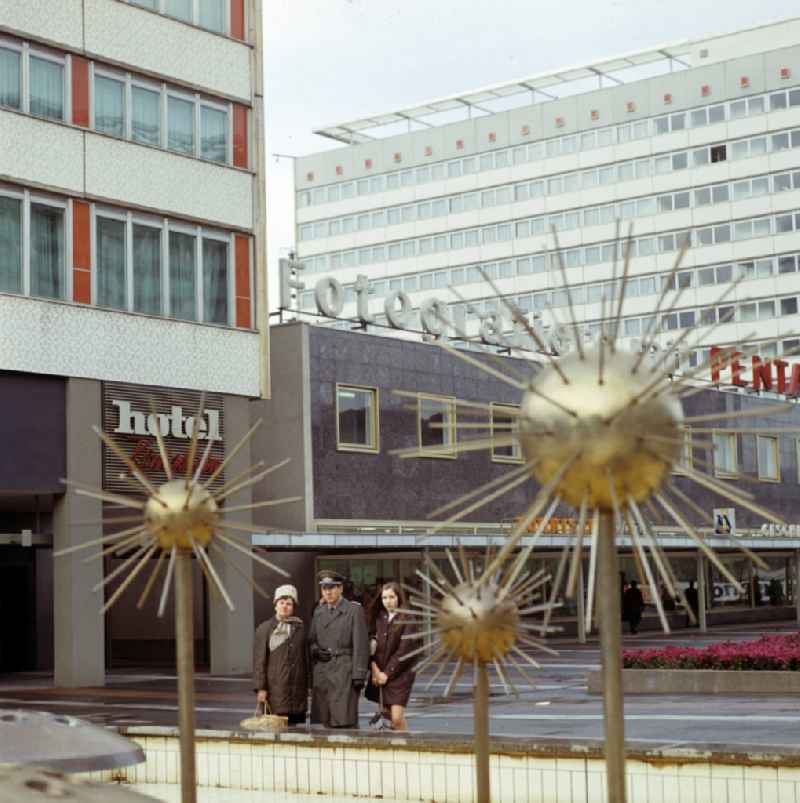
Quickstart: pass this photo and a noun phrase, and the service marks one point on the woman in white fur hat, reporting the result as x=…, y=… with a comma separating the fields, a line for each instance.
x=280, y=664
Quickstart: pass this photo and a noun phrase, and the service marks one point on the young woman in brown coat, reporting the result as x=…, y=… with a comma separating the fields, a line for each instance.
x=389, y=673
x=280, y=662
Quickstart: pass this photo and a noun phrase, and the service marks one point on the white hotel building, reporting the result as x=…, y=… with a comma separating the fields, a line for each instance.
x=697, y=140
x=132, y=268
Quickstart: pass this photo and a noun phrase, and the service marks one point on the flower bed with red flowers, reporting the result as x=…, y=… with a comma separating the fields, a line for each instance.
x=767, y=653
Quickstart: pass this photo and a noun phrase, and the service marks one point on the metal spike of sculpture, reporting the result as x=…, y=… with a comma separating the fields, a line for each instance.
x=600, y=430
x=181, y=519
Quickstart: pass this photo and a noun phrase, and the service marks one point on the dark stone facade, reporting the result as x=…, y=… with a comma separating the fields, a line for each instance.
x=383, y=486
x=33, y=433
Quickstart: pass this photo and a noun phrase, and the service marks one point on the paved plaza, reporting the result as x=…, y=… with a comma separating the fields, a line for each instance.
x=560, y=708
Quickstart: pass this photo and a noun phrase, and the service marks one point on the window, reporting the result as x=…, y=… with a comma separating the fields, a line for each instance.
x=10, y=245
x=789, y=306
x=504, y=426
x=109, y=106
x=182, y=283
x=768, y=458
x=180, y=125
x=46, y=88
x=356, y=419
x=719, y=153
x=436, y=418
x=213, y=134
x=147, y=269
x=110, y=254
x=47, y=251
x=10, y=78
x=180, y=9
x=725, y=457
x=215, y=281
x=145, y=115
x=212, y=14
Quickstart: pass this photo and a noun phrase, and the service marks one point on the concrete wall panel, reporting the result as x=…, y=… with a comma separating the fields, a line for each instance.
x=129, y=35
x=45, y=154
x=122, y=347
x=59, y=23
x=157, y=179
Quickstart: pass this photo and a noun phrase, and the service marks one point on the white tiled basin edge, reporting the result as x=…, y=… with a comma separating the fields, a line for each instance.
x=400, y=770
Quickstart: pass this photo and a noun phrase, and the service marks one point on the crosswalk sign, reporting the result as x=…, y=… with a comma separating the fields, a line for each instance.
x=724, y=521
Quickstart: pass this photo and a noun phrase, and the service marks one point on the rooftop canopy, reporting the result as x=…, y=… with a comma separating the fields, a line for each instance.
x=549, y=85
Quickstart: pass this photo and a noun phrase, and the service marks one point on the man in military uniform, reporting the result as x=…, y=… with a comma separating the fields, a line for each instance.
x=339, y=649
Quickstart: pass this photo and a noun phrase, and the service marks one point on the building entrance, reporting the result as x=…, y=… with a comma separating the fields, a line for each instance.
x=17, y=611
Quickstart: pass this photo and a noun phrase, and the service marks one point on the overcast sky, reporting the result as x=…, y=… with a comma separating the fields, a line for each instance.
x=329, y=61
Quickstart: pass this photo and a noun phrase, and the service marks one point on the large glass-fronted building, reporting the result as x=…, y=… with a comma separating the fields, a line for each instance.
x=696, y=142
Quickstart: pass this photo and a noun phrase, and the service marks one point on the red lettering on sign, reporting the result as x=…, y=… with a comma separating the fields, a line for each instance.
x=762, y=374
x=762, y=377
x=149, y=460
x=780, y=367
x=736, y=370
x=717, y=363
x=794, y=385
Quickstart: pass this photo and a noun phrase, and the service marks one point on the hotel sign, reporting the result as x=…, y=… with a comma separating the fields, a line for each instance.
x=128, y=418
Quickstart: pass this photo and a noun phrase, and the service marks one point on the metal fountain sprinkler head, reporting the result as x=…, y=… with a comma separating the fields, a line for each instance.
x=25, y=784
x=477, y=624
x=181, y=513
x=605, y=424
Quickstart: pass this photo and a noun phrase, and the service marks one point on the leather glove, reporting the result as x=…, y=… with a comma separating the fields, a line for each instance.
x=358, y=684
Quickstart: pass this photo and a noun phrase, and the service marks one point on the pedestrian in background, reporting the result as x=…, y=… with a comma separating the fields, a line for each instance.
x=693, y=601
x=632, y=606
x=339, y=650
x=280, y=665
x=391, y=676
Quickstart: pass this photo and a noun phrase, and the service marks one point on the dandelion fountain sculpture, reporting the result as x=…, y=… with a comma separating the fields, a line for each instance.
x=600, y=430
x=180, y=520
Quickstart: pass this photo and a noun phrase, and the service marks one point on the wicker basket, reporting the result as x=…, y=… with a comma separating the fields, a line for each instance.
x=265, y=721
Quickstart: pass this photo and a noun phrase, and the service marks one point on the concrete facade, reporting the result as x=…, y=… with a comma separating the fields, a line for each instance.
x=131, y=194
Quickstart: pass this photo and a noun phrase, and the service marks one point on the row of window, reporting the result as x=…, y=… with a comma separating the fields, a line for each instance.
x=535, y=151
x=123, y=105
x=767, y=453
x=710, y=195
x=213, y=15
x=574, y=257
x=357, y=429
x=591, y=293
x=130, y=108
x=140, y=264
x=744, y=312
x=567, y=182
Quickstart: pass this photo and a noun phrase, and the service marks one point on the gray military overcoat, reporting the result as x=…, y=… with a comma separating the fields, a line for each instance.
x=334, y=701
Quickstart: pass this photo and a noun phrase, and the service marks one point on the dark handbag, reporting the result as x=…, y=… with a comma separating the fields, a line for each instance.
x=372, y=692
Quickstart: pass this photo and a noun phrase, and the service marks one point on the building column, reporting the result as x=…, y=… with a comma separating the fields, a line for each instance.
x=78, y=628
x=701, y=591
x=580, y=609
x=231, y=632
